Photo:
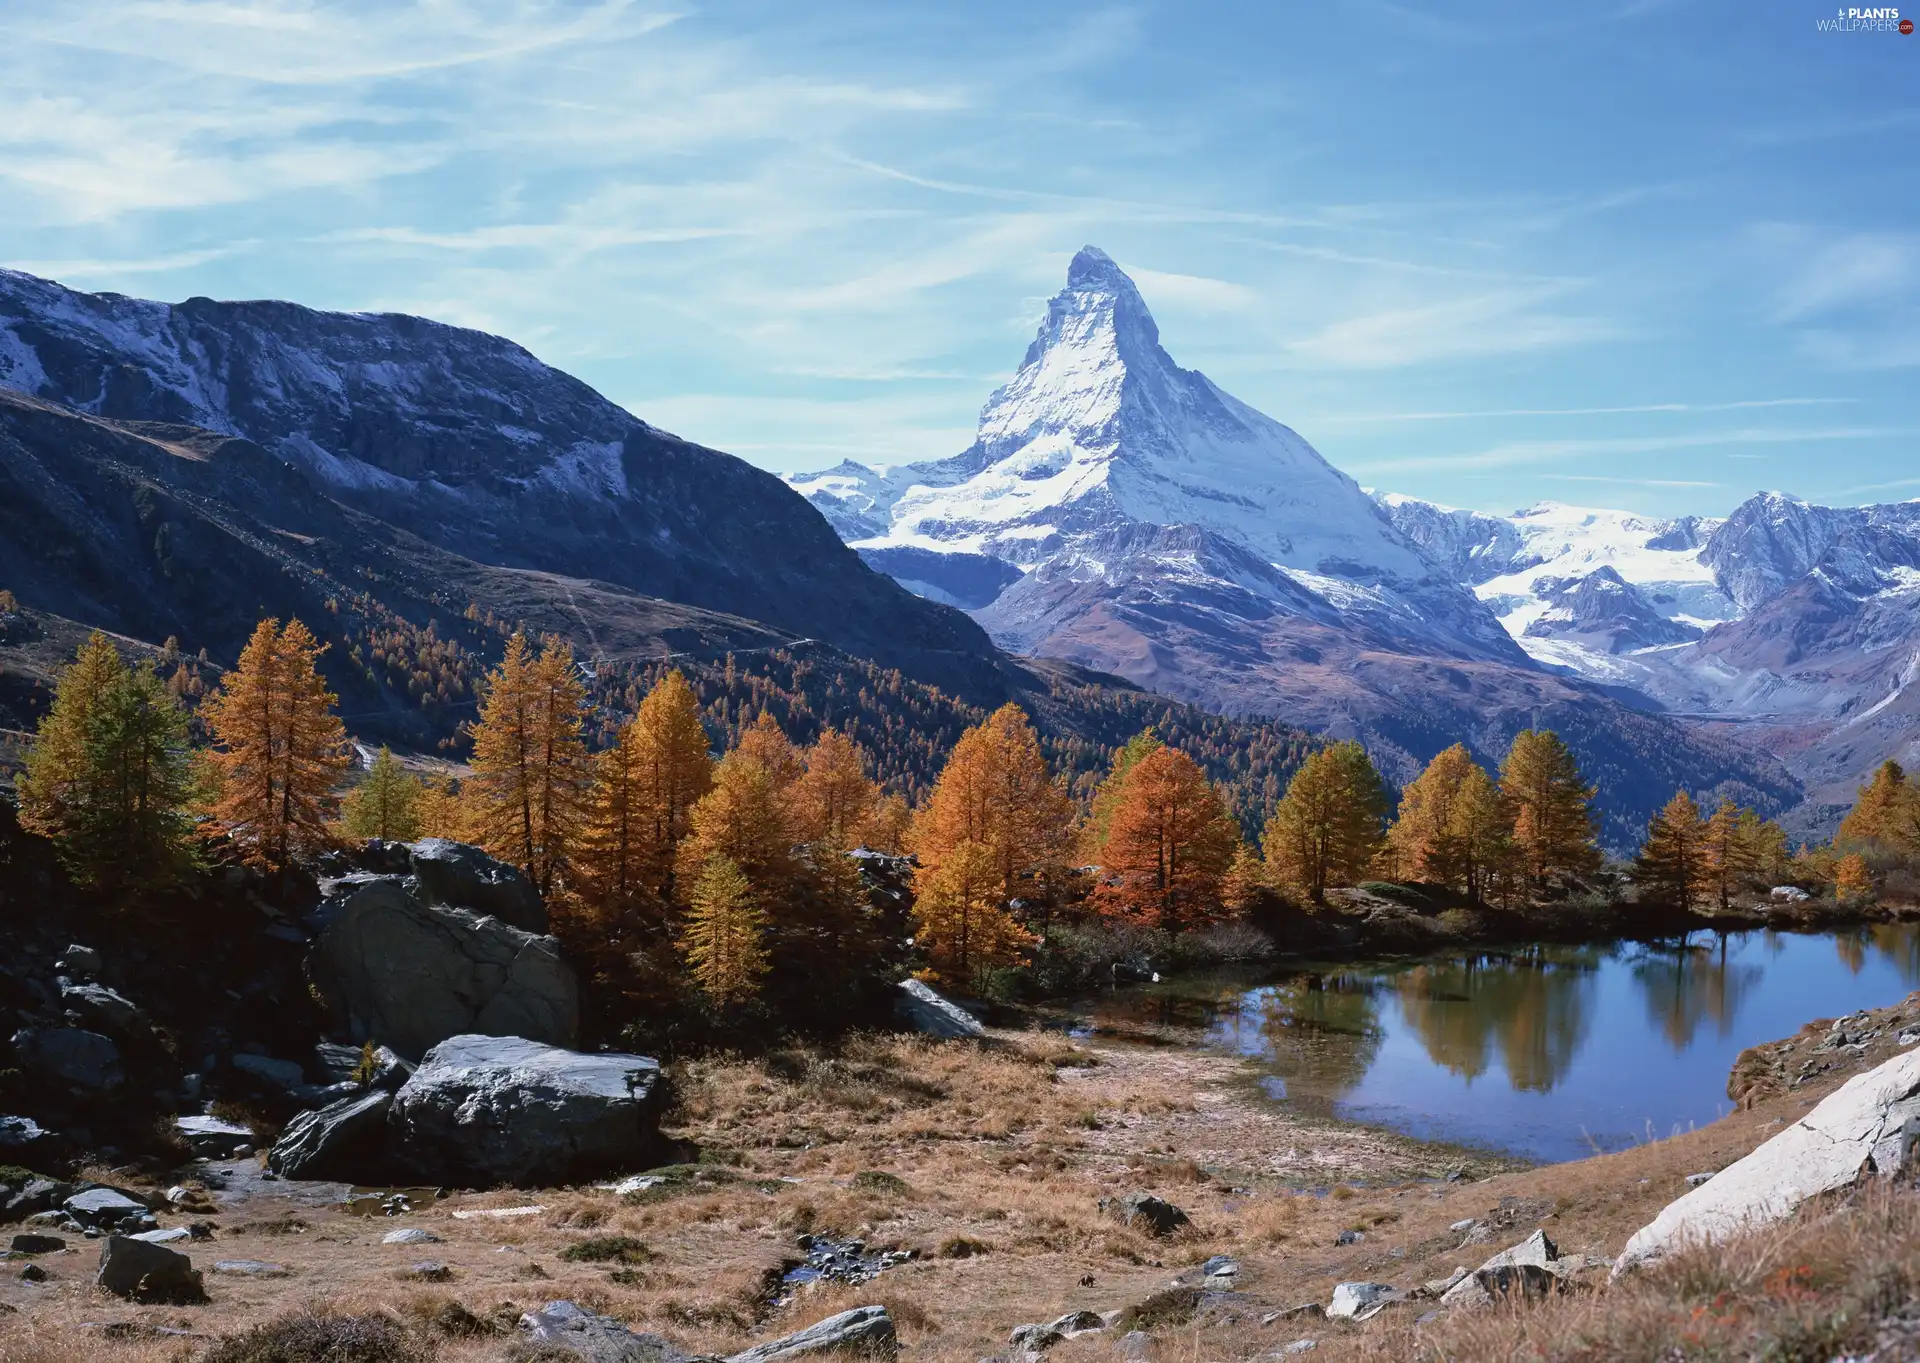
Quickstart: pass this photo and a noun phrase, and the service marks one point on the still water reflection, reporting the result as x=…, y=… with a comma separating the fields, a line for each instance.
x=1548, y=1052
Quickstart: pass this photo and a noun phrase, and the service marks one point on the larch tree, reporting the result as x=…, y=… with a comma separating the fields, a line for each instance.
x=765, y=742
x=1328, y=827
x=645, y=788
x=887, y=828
x=742, y=819
x=723, y=938
x=1766, y=847
x=1107, y=797
x=1477, y=844
x=833, y=802
x=1728, y=856
x=1886, y=814
x=281, y=748
x=960, y=918
x=995, y=791
x=1852, y=881
x=1419, y=845
x=1170, y=843
x=1672, y=865
x=111, y=775
x=384, y=805
x=531, y=770
x=1552, y=807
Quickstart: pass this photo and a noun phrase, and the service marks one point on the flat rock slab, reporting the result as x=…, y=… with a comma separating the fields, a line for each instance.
x=251, y=1268
x=412, y=1235
x=596, y=1338
x=210, y=1137
x=1857, y=1129
x=866, y=1330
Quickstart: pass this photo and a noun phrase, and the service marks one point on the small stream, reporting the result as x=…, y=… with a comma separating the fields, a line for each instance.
x=1547, y=1052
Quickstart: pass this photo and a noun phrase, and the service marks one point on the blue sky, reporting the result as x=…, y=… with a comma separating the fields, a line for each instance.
x=1649, y=254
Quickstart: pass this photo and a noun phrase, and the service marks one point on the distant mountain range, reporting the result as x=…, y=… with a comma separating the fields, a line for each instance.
x=1125, y=513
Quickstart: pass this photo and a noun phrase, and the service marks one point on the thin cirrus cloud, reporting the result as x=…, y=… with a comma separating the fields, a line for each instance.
x=1519, y=453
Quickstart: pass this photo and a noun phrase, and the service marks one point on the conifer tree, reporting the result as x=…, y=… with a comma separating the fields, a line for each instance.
x=887, y=828
x=1170, y=842
x=765, y=742
x=1476, y=849
x=644, y=791
x=723, y=937
x=1327, y=828
x=1728, y=855
x=1246, y=877
x=281, y=747
x=111, y=775
x=742, y=820
x=995, y=791
x=440, y=811
x=1852, y=882
x=1418, y=843
x=960, y=917
x=833, y=803
x=1766, y=849
x=1672, y=865
x=385, y=805
x=1886, y=814
x=1552, y=806
x=531, y=770
x=1106, y=798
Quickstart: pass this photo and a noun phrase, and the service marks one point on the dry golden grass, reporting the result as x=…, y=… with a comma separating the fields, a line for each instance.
x=994, y=1160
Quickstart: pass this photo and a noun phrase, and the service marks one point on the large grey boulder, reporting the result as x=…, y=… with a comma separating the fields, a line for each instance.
x=599, y=1339
x=408, y=974
x=147, y=1273
x=1861, y=1128
x=866, y=1331
x=1144, y=1211
x=106, y=1208
x=457, y=876
x=483, y=1110
x=925, y=1010
x=344, y=1140
x=82, y=1062
x=111, y=1011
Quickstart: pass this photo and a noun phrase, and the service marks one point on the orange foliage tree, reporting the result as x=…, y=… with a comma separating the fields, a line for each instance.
x=531, y=771
x=1170, y=843
x=281, y=749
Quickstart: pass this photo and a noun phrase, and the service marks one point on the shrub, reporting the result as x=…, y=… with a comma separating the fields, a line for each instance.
x=607, y=1249
x=320, y=1337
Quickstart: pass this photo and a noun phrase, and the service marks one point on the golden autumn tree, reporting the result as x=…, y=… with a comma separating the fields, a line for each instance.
x=741, y=819
x=1886, y=814
x=960, y=917
x=766, y=743
x=645, y=788
x=1852, y=881
x=1170, y=843
x=281, y=749
x=530, y=765
x=1327, y=828
x=385, y=805
x=995, y=791
x=1107, y=797
x=723, y=939
x=1552, y=806
x=887, y=828
x=56, y=786
x=833, y=802
x=1418, y=843
x=1728, y=856
x=440, y=811
x=1476, y=851
x=1671, y=867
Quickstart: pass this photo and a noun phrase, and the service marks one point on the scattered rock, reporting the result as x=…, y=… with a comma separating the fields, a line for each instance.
x=147, y=1273
x=1144, y=1211
x=503, y=1110
x=107, y=1209
x=17, y=1133
x=1863, y=1127
x=1439, y=1287
x=37, y=1244
x=1788, y=894
x=1030, y=1341
x=251, y=1268
x=344, y=1140
x=411, y=974
x=1301, y=1346
x=1360, y=1301
x=1078, y=1323
x=1459, y=1227
x=927, y=1011
x=411, y=1235
x=1349, y=1237
x=633, y=1183
x=106, y=1009
x=79, y=962
x=279, y=1074
x=498, y=1213
x=865, y=1330
x=1310, y=1310
x=1695, y=1180
x=429, y=1271
x=211, y=1138
x=1220, y=1266
x=83, y=1062
x=457, y=876
x=1136, y=1344
x=598, y=1339
x=163, y=1237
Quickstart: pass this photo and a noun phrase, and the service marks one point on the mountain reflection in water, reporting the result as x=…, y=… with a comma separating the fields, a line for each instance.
x=1550, y=1052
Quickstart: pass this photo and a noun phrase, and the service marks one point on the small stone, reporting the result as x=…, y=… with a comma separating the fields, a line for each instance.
x=430, y=1272
x=1460, y=1226
x=1136, y=1344
x=636, y=1183
x=33, y=1273
x=1144, y=1211
x=164, y=1237
x=1301, y=1346
x=1220, y=1266
x=412, y=1235
x=1349, y=1237
x=251, y=1268
x=1695, y=1180
x=1358, y=1301
x=1077, y=1323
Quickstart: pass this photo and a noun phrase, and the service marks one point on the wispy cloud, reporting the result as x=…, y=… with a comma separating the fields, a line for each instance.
x=1525, y=452
x=1648, y=408
x=1496, y=322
